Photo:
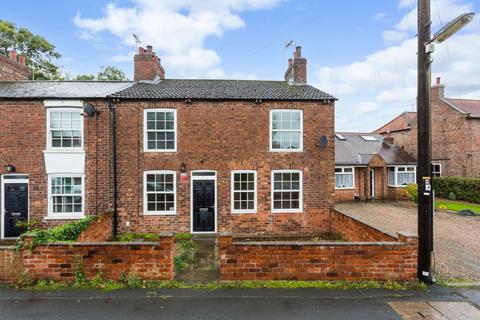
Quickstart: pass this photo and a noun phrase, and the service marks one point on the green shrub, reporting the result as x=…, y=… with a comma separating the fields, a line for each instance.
x=465, y=189
x=185, y=254
x=412, y=191
x=65, y=232
x=183, y=236
x=452, y=196
x=129, y=237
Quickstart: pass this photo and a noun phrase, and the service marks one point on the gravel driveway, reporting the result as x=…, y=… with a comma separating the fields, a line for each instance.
x=456, y=238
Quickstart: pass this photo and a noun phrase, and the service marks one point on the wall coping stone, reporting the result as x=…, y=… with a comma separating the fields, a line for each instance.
x=7, y=247
x=79, y=244
x=314, y=243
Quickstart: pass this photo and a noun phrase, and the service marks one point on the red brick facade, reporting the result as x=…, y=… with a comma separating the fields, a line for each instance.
x=23, y=141
x=455, y=138
x=226, y=136
x=99, y=231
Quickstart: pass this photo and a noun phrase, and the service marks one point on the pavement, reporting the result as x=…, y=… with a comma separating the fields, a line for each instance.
x=455, y=240
x=245, y=304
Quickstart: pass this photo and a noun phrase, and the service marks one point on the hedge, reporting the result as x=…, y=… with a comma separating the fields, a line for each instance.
x=466, y=189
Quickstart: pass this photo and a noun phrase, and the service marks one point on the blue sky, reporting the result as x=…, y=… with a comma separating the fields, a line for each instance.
x=363, y=52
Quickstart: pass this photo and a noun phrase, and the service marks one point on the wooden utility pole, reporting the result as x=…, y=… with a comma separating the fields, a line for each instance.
x=424, y=171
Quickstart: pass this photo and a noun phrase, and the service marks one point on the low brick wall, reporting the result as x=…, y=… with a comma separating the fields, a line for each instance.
x=9, y=259
x=352, y=229
x=99, y=231
x=59, y=261
x=378, y=257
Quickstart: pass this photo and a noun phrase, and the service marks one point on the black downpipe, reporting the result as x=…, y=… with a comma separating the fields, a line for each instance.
x=112, y=109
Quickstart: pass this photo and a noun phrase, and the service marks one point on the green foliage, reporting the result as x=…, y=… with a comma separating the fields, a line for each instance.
x=412, y=191
x=444, y=204
x=66, y=232
x=106, y=73
x=78, y=273
x=129, y=237
x=27, y=225
x=183, y=236
x=40, y=54
x=466, y=189
x=132, y=281
x=452, y=196
x=185, y=253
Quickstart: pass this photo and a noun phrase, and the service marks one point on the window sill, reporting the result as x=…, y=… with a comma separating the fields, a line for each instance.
x=390, y=186
x=65, y=150
x=160, y=151
x=242, y=212
x=347, y=188
x=287, y=211
x=64, y=217
x=159, y=213
x=286, y=150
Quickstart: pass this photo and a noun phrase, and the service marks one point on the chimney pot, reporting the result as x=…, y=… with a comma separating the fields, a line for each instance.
x=147, y=65
x=290, y=62
x=298, y=52
x=21, y=59
x=13, y=56
x=438, y=80
x=149, y=49
x=141, y=50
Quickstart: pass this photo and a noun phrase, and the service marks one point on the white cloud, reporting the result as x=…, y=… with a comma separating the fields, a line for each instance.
x=394, y=36
x=383, y=84
x=380, y=15
x=406, y=3
x=176, y=28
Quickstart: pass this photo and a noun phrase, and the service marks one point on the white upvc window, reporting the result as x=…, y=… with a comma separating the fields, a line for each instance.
x=159, y=192
x=344, y=177
x=287, y=189
x=64, y=129
x=436, y=169
x=160, y=130
x=66, y=196
x=286, y=130
x=401, y=176
x=244, y=191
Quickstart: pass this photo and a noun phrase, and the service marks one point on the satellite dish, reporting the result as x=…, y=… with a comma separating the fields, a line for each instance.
x=323, y=143
x=89, y=109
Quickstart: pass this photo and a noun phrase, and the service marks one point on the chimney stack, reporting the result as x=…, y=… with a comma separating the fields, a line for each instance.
x=147, y=65
x=297, y=68
x=438, y=90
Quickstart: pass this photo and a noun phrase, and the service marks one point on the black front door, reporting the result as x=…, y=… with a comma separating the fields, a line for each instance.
x=16, y=207
x=203, y=205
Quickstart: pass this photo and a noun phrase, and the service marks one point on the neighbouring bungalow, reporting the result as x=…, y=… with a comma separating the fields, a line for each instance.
x=369, y=166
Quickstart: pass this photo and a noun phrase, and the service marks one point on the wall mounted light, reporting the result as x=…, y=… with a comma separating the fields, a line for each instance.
x=183, y=168
x=9, y=168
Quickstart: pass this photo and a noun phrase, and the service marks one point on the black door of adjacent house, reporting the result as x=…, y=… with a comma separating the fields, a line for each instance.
x=203, y=205
x=16, y=207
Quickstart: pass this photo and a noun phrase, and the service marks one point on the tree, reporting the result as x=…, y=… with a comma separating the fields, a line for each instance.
x=108, y=73
x=40, y=54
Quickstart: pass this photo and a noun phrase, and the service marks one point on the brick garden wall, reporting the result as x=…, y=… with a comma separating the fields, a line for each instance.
x=58, y=261
x=390, y=258
x=352, y=229
x=99, y=231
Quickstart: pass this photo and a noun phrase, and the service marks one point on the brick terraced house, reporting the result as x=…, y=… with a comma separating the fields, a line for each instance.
x=370, y=166
x=455, y=134
x=166, y=155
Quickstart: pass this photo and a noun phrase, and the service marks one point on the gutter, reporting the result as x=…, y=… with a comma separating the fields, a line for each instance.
x=112, y=109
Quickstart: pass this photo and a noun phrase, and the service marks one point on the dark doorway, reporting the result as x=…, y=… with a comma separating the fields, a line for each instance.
x=203, y=205
x=16, y=207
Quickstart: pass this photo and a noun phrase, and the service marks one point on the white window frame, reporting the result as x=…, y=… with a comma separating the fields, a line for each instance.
x=51, y=109
x=343, y=172
x=300, y=149
x=300, y=200
x=232, y=191
x=145, y=131
x=145, y=198
x=64, y=215
x=396, y=175
x=439, y=172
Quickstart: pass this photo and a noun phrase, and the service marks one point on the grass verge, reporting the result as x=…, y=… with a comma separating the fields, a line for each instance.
x=274, y=284
x=451, y=205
